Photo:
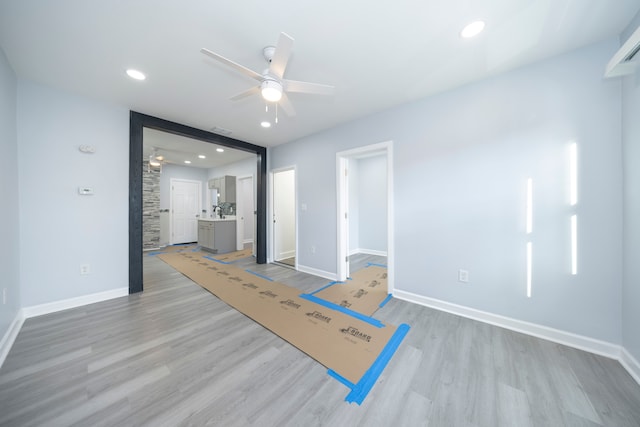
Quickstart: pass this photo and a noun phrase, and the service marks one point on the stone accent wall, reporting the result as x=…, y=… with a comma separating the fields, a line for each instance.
x=150, y=207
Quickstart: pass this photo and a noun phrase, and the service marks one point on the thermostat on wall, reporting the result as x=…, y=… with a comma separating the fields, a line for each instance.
x=85, y=191
x=89, y=149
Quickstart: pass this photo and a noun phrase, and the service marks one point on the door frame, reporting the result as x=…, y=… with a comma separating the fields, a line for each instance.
x=239, y=205
x=137, y=122
x=342, y=192
x=199, y=210
x=272, y=228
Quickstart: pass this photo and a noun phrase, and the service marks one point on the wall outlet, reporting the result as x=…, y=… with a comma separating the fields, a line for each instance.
x=313, y=249
x=4, y=296
x=463, y=276
x=85, y=269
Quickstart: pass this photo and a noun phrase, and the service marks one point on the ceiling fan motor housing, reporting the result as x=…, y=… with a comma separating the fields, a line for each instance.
x=268, y=52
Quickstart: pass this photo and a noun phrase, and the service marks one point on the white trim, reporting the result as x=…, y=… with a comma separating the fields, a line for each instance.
x=629, y=363
x=580, y=342
x=10, y=336
x=316, y=272
x=52, y=307
x=368, y=252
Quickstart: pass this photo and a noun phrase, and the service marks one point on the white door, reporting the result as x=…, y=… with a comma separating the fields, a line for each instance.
x=284, y=215
x=246, y=212
x=185, y=199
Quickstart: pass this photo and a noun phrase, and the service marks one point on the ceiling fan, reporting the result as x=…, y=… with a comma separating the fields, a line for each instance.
x=273, y=86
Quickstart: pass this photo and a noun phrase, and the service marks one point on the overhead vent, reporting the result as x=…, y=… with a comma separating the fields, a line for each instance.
x=622, y=62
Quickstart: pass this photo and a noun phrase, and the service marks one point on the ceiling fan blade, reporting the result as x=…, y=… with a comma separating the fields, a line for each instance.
x=246, y=93
x=281, y=55
x=286, y=105
x=244, y=70
x=306, y=87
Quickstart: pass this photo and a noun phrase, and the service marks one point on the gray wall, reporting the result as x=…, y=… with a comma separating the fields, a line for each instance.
x=631, y=159
x=59, y=229
x=372, y=204
x=9, y=214
x=368, y=205
x=461, y=161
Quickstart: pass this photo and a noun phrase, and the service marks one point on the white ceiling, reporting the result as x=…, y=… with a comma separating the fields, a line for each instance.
x=176, y=149
x=378, y=54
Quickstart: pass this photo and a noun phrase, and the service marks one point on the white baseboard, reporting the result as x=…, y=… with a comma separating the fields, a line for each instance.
x=368, y=252
x=52, y=307
x=287, y=254
x=10, y=336
x=561, y=337
x=316, y=272
x=630, y=364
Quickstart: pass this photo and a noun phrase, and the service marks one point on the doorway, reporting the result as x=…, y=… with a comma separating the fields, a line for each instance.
x=185, y=201
x=138, y=122
x=284, y=217
x=365, y=205
x=245, y=201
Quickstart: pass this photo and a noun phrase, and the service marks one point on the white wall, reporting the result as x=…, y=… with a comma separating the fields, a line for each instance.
x=59, y=229
x=461, y=162
x=631, y=159
x=9, y=214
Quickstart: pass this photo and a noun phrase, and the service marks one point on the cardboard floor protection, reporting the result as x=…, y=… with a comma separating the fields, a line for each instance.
x=355, y=351
x=233, y=256
x=364, y=292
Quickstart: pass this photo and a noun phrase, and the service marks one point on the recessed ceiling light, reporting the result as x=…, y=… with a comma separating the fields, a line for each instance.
x=265, y=124
x=202, y=156
x=220, y=150
x=187, y=162
x=135, y=74
x=472, y=29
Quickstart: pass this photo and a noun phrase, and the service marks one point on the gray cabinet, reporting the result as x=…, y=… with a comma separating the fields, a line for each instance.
x=226, y=186
x=205, y=234
x=217, y=236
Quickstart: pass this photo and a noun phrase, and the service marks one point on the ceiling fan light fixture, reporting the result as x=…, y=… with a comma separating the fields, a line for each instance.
x=153, y=161
x=472, y=29
x=135, y=74
x=271, y=90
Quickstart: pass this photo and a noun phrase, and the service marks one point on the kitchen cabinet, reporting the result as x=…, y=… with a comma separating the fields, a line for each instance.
x=218, y=236
x=205, y=234
x=226, y=186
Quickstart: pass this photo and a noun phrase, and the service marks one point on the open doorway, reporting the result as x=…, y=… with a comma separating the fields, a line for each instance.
x=284, y=217
x=365, y=206
x=246, y=213
x=138, y=123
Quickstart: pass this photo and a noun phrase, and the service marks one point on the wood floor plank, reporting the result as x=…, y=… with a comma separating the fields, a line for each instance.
x=176, y=355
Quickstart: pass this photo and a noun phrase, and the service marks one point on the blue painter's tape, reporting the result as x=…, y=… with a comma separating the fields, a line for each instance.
x=260, y=275
x=155, y=253
x=360, y=391
x=386, y=300
x=213, y=259
x=369, y=264
x=336, y=307
x=325, y=287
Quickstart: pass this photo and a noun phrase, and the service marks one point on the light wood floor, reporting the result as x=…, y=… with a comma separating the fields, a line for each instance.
x=176, y=355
